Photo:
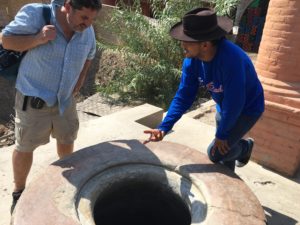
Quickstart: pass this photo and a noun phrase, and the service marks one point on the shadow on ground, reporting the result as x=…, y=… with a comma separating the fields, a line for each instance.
x=276, y=218
x=295, y=178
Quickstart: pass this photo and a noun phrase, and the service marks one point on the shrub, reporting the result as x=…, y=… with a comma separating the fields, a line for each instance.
x=153, y=59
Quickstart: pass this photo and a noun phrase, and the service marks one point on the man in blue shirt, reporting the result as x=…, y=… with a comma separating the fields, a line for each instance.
x=230, y=77
x=50, y=74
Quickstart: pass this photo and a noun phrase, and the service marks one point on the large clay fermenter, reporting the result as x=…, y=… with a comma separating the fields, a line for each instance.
x=128, y=183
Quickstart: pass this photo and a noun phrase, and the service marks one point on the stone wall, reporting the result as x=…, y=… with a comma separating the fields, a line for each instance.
x=101, y=33
x=9, y=8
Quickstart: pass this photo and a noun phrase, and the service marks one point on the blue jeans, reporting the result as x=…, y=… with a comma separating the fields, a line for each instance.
x=238, y=146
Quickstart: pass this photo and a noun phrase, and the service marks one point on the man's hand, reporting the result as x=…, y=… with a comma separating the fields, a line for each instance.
x=48, y=33
x=155, y=135
x=220, y=145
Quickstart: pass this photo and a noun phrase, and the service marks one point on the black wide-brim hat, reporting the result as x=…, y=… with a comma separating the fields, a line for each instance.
x=201, y=24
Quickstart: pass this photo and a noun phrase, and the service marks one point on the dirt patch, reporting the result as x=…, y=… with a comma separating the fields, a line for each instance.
x=7, y=137
x=7, y=100
x=7, y=97
x=111, y=62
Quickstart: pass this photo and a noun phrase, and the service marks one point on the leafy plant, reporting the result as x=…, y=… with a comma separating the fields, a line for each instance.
x=153, y=59
x=226, y=7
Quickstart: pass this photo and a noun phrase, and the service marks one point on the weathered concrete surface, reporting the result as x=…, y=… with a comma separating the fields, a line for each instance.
x=279, y=196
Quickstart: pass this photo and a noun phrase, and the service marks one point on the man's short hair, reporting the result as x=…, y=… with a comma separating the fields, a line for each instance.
x=90, y=4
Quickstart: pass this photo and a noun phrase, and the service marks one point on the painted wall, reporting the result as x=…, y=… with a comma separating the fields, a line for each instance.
x=251, y=25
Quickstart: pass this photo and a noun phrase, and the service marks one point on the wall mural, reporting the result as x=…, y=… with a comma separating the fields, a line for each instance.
x=251, y=25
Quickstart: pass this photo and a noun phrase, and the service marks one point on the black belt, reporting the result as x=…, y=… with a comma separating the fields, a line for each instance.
x=35, y=102
x=25, y=103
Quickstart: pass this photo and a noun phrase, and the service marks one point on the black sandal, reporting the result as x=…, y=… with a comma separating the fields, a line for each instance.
x=16, y=195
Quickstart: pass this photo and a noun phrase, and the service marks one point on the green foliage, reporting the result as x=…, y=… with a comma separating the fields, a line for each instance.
x=174, y=9
x=153, y=59
x=226, y=7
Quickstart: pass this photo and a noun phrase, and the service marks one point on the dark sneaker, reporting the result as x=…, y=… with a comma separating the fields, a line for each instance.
x=244, y=161
x=16, y=195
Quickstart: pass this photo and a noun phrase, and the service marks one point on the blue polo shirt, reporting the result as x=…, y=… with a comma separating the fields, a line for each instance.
x=50, y=71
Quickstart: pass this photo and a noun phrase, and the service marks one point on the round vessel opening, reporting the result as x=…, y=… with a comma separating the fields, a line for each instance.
x=140, y=203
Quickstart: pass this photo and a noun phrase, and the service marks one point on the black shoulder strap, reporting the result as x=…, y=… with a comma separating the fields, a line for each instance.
x=47, y=14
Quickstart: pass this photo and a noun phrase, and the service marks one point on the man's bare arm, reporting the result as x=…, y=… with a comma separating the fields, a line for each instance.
x=82, y=76
x=24, y=43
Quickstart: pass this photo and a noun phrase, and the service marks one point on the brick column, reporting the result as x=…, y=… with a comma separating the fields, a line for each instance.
x=277, y=134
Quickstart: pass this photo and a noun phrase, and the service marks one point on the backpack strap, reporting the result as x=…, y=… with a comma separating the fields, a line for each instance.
x=47, y=17
x=47, y=14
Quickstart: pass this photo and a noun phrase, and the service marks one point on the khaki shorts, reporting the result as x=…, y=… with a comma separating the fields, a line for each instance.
x=33, y=127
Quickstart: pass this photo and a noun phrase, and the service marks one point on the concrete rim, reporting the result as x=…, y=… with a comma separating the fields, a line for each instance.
x=179, y=185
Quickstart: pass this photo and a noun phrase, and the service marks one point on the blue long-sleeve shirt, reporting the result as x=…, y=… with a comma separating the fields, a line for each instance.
x=232, y=82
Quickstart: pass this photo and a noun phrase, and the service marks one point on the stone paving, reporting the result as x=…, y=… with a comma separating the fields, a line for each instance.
x=97, y=106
